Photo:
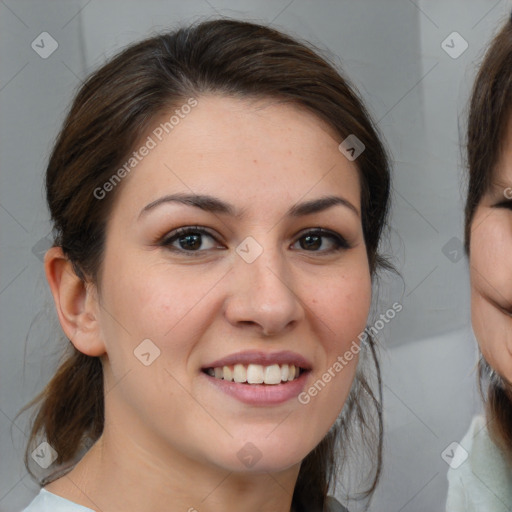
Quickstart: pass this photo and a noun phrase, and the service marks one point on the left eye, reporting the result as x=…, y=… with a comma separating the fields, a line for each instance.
x=190, y=240
x=314, y=238
x=504, y=204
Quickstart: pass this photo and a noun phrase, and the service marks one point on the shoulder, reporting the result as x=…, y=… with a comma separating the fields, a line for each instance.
x=477, y=450
x=479, y=476
x=46, y=501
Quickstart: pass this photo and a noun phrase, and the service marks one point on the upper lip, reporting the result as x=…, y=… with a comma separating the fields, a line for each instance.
x=262, y=358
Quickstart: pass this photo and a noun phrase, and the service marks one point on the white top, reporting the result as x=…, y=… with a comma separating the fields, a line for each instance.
x=46, y=501
x=483, y=480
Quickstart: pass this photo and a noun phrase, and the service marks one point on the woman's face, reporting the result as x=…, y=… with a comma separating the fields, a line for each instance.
x=250, y=285
x=491, y=267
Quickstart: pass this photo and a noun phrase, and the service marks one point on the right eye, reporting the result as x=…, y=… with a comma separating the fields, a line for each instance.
x=190, y=240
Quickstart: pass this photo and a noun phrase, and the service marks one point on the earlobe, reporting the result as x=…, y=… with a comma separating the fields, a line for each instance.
x=76, y=303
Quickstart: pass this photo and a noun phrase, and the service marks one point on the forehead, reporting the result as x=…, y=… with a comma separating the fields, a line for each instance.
x=251, y=126
x=245, y=148
x=495, y=179
x=501, y=174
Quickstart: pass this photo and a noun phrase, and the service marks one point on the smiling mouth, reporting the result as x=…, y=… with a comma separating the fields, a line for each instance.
x=256, y=373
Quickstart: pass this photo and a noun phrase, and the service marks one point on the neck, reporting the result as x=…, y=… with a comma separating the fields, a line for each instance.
x=124, y=472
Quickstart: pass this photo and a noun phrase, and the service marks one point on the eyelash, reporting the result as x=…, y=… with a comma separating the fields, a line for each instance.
x=340, y=242
x=504, y=204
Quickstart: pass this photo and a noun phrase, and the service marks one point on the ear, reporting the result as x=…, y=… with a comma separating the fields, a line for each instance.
x=76, y=303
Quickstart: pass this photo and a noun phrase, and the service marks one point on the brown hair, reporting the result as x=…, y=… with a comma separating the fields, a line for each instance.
x=110, y=113
x=489, y=112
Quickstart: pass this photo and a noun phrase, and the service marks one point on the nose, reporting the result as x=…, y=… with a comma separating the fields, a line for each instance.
x=263, y=294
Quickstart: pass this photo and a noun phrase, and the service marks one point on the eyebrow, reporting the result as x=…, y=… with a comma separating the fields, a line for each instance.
x=213, y=204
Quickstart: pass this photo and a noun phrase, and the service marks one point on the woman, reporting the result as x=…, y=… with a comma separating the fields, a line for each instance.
x=218, y=195
x=481, y=478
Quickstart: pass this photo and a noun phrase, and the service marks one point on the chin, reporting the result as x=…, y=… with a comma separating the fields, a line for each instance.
x=262, y=456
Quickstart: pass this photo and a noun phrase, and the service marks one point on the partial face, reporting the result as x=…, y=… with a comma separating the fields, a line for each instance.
x=248, y=286
x=491, y=268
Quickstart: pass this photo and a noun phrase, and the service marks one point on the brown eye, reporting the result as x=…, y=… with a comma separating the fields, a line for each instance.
x=313, y=240
x=188, y=240
x=504, y=204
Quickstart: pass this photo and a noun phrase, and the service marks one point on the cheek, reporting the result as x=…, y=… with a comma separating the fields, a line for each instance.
x=491, y=291
x=344, y=307
x=145, y=302
x=493, y=331
x=153, y=299
x=491, y=257
x=346, y=302
x=150, y=303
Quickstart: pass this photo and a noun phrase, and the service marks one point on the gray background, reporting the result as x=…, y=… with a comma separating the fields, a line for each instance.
x=391, y=50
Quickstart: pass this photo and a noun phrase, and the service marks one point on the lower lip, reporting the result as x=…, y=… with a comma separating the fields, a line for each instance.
x=261, y=394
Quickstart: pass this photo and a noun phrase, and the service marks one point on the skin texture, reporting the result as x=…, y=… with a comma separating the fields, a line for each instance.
x=491, y=271
x=171, y=438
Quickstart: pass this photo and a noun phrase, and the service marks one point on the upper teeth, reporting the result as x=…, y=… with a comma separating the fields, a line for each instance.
x=256, y=373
